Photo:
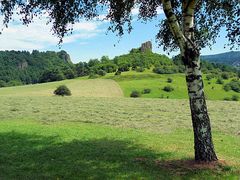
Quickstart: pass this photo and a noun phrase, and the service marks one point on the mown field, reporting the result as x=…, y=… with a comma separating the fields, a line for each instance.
x=110, y=138
x=79, y=87
x=106, y=136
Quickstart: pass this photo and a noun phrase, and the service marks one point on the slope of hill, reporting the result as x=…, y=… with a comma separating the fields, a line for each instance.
x=80, y=88
x=230, y=58
x=123, y=85
x=135, y=81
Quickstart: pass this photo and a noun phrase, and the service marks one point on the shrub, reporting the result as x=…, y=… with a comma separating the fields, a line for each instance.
x=62, y=91
x=68, y=73
x=225, y=75
x=235, y=98
x=233, y=85
x=168, y=88
x=219, y=81
x=134, y=68
x=227, y=99
x=165, y=70
x=93, y=76
x=169, y=80
x=146, y=91
x=14, y=83
x=52, y=75
x=118, y=73
x=101, y=72
x=227, y=87
x=3, y=83
x=209, y=76
x=135, y=94
x=140, y=69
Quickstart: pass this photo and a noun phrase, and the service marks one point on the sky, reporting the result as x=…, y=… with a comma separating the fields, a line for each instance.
x=89, y=39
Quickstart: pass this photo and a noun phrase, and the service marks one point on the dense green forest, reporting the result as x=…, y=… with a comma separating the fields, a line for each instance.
x=22, y=67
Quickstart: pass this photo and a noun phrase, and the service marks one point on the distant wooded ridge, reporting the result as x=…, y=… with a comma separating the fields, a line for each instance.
x=23, y=67
x=230, y=58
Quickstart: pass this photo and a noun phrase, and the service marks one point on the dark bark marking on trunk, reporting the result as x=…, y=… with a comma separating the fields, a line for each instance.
x=203, y=145
x=204, y=149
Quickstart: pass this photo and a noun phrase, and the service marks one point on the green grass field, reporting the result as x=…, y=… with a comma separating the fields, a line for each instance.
x=106, y=136
x=131, y=80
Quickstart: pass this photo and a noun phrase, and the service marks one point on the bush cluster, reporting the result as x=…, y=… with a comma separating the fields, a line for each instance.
x=118, y=73
x=169, y=80
x=209, y=76
x=168, y=88
x=135, y=94
x=225, y=75
x=233, y=85
x=219, y=81
x=101, y=72
x=93, y=76
x=165, y=70
x=140, y=69
x=233, y=98
x=146, y=91
x=62, y=91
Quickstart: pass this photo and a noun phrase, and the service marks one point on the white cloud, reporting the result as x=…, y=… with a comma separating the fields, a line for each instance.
x=135, y=11
x=85, y=26
x=38, y=35
x=160, y=10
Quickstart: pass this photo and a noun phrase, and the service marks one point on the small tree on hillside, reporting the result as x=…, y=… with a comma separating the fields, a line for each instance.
x=62, y=91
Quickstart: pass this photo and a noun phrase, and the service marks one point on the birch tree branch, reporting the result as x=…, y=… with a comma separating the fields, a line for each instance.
x=173, y=23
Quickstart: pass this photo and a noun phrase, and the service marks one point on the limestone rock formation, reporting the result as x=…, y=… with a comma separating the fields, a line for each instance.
x=65, y=56
x=147, y=46
x=22, y=65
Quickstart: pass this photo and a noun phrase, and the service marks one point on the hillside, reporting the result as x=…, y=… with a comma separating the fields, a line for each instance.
x=20, y=68
x=138, y=81
x=79, y=88
x=230, y=58
x=123, y=85
x=23, y=67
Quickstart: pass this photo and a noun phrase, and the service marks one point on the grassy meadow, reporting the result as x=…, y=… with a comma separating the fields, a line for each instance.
x=132, y=80
x=98, y=134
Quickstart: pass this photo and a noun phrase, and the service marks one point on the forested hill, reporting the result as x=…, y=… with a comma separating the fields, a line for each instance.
x=23, y=67
x=230, y=58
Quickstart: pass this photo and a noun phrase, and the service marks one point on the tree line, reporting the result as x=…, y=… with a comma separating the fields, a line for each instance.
x=23, y=67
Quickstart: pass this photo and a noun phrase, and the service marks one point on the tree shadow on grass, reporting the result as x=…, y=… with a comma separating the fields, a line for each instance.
x=24, y=156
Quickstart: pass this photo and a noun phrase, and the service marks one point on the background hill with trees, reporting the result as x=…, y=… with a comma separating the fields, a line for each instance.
x=23, y=67
x=230, y=58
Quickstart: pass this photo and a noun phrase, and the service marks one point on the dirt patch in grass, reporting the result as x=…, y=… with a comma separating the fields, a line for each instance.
x=192, y=165
x=187, y=167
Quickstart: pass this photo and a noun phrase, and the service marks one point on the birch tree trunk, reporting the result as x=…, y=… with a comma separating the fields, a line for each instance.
x=203, y=145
